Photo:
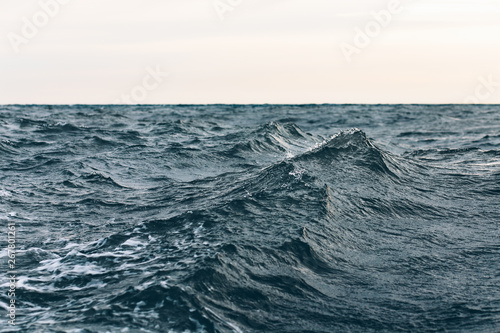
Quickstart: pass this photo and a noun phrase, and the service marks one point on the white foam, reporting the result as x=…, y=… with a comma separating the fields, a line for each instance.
x=87, y=269
x=144, y=286
x=5, y=193
x=47, y=322
x=21, y=283
x=4, y=306
x=36, y=250
x=297, y=173
x=139, y=305
x=117, y=254
x=133, y=242
x=69, y=245
x=234, y=327
x=50, y=265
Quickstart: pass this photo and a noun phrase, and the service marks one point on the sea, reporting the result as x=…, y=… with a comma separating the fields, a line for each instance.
x=250, y=218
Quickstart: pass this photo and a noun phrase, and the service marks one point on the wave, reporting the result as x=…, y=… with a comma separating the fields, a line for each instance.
x=97, y=178
x=8, y=147
x=273, y=137
x=352, y=147
x=58, y=128
x=163, y=224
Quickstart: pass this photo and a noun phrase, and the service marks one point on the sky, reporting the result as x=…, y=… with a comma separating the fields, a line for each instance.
x=249, y=51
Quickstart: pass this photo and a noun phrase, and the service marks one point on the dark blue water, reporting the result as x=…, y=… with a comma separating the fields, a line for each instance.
x=252, y=218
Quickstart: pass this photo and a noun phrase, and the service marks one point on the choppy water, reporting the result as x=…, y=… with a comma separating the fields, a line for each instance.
x=253, y=218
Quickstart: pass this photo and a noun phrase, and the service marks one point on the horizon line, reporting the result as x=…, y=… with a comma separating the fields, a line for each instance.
x=240, y=104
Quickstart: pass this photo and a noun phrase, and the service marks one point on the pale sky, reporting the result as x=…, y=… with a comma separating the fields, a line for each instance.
x=249, y=51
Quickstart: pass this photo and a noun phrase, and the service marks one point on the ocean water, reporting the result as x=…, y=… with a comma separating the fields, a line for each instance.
x=271, y=218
